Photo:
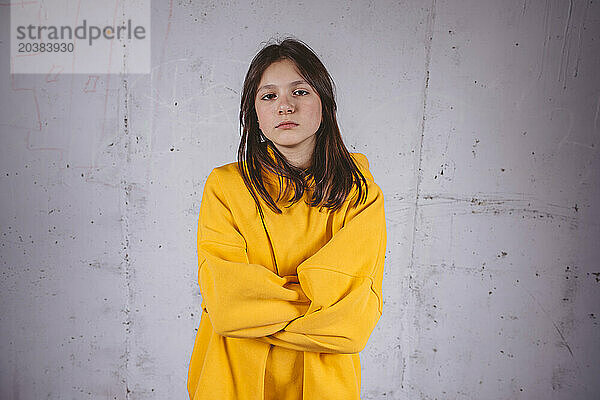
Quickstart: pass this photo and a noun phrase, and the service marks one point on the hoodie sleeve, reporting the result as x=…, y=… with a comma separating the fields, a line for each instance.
x=242, y=299
x=343, y=281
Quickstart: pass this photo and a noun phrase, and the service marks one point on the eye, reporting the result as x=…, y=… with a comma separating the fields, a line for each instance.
x=301, y=90
x=267, y=98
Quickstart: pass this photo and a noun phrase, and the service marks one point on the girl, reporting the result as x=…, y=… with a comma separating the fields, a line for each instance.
x=291, y=245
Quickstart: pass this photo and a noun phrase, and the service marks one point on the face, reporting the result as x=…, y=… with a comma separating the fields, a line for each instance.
x=284, y=95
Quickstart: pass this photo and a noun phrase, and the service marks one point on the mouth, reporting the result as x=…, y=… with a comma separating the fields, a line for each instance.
x=286, y=125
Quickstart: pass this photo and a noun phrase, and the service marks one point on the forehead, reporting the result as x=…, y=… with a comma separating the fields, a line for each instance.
x=279, y=73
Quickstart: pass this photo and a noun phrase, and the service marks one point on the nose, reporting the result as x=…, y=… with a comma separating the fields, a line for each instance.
x=286, y=106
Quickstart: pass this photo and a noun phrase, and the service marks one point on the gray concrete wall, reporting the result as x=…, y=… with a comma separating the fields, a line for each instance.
x=481, y=123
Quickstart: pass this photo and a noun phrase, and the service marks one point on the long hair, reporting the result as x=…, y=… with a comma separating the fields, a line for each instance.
x=332, y=172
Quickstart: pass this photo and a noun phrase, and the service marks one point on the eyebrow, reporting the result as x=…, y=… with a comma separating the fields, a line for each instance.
x=271, y=86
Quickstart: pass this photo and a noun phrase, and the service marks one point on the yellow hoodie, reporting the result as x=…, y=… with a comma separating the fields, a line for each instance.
x=286, y=305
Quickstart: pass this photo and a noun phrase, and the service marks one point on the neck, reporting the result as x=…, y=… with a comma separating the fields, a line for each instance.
x=299, y=156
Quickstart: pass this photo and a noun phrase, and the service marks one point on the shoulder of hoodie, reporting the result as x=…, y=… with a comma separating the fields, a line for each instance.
x=229, y=175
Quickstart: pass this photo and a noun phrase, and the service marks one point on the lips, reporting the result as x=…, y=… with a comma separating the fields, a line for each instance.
x=286, y=124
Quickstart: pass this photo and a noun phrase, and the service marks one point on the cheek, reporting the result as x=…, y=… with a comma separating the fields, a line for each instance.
x=260, y=113
x=317, y=113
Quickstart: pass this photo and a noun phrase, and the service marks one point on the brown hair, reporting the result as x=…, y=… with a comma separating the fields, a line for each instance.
x=332, y=169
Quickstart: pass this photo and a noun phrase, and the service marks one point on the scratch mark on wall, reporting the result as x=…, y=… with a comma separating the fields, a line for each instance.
x=416, y=292
x=162, y=54
x=175, y=74
x=569, y=115
x=525, y=206
x=563, y=340
x=546, y=37
x=52, y=75
x=14, y=87
x=90, y=85
x=580, y=39
x=106, y=93
x=429, y=39
x=126, y=233
x=38, y=122
x=564, y=58
x=30, y=147
x=560, y=334
x=558, y=377
x=20, y=3
x=565, y=138
x=596, y=115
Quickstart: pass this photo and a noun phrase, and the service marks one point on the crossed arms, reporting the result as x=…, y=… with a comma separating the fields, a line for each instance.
x=331, y=306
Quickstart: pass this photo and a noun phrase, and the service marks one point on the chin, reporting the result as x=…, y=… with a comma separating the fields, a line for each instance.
x=286, y=144
x=292, y=138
